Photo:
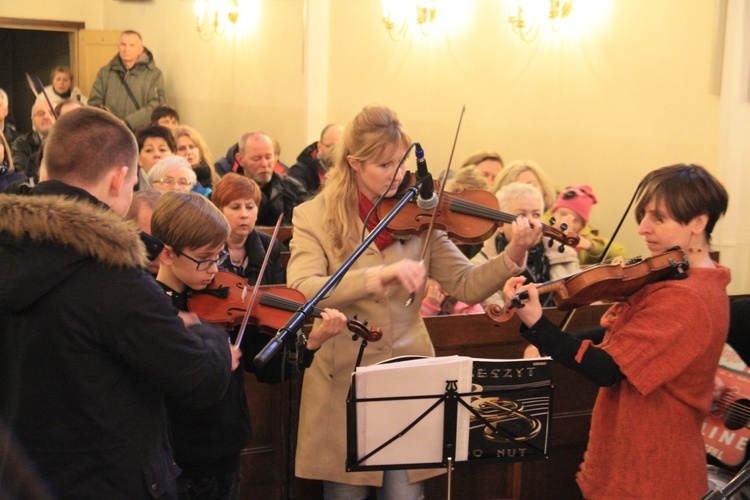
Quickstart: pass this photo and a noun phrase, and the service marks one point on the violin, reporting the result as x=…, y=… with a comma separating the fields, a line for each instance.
x=607, y=282
x=470, y=216
x=224, y=302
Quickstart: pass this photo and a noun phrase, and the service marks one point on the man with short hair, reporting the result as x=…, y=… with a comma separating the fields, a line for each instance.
x=89, y=344
x=131, y=85
x=279, y=194
x=27, y=145
x=313, y=162
x=7, y=128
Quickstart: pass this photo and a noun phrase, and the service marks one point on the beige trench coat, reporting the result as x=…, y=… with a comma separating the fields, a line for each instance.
x=321, y=444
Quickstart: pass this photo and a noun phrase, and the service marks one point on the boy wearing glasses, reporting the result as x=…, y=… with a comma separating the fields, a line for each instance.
x=207, y=442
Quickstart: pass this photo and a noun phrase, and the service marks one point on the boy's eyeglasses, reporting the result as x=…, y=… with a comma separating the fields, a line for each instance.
x=205, y=265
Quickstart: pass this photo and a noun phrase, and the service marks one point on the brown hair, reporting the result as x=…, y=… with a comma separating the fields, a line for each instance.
x=188, y=220
x=148, y=197
x=687, y=191
x=234, y=187
x=86, y=143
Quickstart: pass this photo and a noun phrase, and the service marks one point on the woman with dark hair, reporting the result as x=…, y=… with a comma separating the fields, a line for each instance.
x=656, y=354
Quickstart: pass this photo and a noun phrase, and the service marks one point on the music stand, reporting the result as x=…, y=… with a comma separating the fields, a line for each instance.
x=484, y=423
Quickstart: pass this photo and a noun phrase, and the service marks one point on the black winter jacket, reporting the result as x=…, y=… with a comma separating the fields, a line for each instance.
x=89, y=347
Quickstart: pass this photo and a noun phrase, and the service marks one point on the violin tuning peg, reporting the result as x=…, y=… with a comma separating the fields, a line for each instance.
x=551, y=221
x=561, y=249
x=354, y=317
x=367, y=321
x=550, y=243
x=564, y=227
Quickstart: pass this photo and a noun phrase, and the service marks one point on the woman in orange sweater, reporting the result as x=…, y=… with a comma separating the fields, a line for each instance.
x=657, y=353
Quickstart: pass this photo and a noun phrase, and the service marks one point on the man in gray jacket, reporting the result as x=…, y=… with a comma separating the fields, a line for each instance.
x=131, y=85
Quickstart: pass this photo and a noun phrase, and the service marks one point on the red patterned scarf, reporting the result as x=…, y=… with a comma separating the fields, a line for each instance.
x=365, y=205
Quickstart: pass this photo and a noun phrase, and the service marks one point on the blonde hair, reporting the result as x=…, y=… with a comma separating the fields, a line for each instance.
x=188, y=220
x=467, y=178
x=195, y=137
x=372, y=133
x=511, y=172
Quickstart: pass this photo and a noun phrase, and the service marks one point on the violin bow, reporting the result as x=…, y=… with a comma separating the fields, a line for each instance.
x=37, y=88
x=440, y=199
x=254, y=296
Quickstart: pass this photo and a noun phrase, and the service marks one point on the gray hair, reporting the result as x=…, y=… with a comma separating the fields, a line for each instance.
x=169, y=164
x=248, y=135
x=516, y=190
x=3, y=98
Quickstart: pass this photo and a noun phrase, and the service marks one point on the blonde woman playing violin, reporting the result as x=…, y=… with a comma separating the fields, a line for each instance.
x=327, y=230
x=657, y=358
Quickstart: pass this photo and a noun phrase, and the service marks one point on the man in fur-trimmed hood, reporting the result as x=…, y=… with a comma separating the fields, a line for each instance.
x=89, y=344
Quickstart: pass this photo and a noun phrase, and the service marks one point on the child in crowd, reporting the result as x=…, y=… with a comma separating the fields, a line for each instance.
x=166, y=117
x=437, y=303
x=572, y=208
x=207, y=442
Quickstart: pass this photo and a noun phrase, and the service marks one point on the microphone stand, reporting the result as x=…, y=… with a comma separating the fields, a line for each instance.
x=294, y=324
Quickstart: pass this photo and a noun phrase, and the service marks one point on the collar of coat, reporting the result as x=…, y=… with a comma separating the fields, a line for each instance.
x=90, y=230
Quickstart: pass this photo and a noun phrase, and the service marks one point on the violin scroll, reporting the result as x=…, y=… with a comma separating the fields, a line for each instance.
x=360, y=330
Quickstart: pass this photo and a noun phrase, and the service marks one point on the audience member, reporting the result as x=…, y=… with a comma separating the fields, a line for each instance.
x=131, y=85
x=278, y=166
x=172, y=173
x=140, y=211
x=489, y=163
x=238, y=198
x=154, y=143
x=572, y=208
x=61, y=87
x=542, y=263
x=66, y=105
x=166, y=117
x=528, y=172
x=190, y=145
x=468, y=177
x=26, y=145
x=207, y=442
x=8, y=174
x=229, y=162
x=88, y=352
x=437, y=302
x=6, y=127
x=313, y=162
x=279, y=194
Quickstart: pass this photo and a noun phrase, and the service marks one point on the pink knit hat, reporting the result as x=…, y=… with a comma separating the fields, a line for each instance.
x=578, y=198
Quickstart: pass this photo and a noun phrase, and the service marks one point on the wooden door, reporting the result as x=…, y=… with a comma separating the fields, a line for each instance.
x=95, y=49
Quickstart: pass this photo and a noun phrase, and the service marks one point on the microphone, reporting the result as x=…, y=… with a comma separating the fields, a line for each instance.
x=427, y=199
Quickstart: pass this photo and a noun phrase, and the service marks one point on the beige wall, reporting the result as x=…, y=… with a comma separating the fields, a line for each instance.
x=622, y=88
x=599, y=103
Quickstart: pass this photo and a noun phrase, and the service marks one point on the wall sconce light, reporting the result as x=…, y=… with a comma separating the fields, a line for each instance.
x=399, y=14
x=525, y=16
x=212, y=16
